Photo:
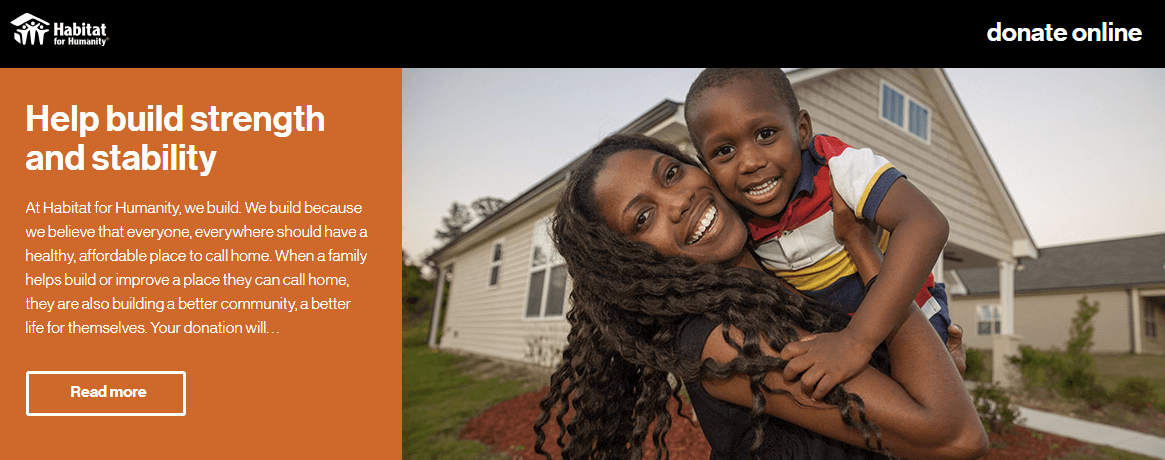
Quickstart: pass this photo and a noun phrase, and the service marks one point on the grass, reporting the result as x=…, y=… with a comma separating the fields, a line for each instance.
x=439, y=398
x=1111, y=369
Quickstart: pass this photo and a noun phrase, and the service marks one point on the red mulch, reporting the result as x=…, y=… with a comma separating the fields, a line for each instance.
x=509, y=427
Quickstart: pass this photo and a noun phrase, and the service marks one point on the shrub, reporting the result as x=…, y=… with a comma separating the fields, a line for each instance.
x=977, y=368
x=1071, y=373
x=1037, y=367
x=994, y=407
x=1136, y=392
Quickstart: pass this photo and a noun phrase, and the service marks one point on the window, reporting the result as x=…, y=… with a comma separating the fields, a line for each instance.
x=546, y=296
x=495, y=263
x=1150, y=319
x=988, y=316
x=905, y=112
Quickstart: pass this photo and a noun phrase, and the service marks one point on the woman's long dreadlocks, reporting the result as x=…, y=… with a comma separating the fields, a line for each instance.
x=628, y=302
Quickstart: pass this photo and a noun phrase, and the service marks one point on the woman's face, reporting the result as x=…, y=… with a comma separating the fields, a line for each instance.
x=672, y=205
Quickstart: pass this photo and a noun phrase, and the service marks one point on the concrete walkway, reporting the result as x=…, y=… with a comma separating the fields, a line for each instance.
x=1094, y=433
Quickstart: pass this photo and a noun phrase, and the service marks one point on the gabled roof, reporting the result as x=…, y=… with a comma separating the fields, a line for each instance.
x=950, y=107
x=1119, y=263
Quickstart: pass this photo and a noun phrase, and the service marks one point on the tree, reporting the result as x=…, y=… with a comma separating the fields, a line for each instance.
x=486, y=206
x=460, y=218
x=417, y=292
x=455, y=223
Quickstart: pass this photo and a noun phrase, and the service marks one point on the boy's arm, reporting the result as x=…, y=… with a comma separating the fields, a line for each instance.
x=918, y=234
x=859, y=236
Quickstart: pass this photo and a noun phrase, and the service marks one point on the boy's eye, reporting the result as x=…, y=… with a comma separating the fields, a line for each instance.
x=723, y=150
x=766, y=133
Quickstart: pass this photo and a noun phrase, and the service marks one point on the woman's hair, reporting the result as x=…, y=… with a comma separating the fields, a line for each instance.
x=628, y=303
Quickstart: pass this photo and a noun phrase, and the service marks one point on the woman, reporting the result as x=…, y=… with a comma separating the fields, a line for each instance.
x=659, y=262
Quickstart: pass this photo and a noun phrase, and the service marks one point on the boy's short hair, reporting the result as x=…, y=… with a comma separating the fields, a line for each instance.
x=715, y=78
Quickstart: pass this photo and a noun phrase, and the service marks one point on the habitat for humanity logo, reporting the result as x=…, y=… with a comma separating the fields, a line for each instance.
x=30, y=30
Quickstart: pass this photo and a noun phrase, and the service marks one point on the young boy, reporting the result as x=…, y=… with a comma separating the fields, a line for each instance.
x=759, y=147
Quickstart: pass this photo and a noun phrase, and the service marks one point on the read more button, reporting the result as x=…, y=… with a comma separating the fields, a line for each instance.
x=108, y=393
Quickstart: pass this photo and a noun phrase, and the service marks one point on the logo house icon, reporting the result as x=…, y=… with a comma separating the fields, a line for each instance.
x=30, y=29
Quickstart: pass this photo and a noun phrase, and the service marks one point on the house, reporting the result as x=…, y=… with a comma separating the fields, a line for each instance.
x=510, y=289
x=1124, y=277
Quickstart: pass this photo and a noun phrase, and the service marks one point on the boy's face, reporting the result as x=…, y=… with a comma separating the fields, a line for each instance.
x=751, y=144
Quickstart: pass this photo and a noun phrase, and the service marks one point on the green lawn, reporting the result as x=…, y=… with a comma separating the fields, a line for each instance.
x=1111, y=369
x=439, y=400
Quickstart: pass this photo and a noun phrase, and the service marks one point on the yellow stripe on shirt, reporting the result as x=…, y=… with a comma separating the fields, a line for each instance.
x=870, y=186
x=826, y=271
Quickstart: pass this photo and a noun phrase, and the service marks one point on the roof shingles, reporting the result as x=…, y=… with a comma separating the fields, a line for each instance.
x=1125, y=262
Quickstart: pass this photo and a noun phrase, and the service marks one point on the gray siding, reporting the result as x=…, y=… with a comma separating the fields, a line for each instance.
x=846, y=104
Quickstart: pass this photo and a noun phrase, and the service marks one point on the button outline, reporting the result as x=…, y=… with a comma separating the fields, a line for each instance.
x=103, y=414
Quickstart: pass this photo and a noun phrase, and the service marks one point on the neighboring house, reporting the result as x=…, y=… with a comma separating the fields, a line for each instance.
x=1125, y=277
x=510, y=288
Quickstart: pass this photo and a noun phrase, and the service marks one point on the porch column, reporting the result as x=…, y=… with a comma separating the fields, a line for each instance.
x=1006, y=343
x=435, y=321
x=1135, y=310
x=1007, y=297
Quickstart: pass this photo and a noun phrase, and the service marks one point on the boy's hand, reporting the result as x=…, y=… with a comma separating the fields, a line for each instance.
x=824, y=360
x=955, y=346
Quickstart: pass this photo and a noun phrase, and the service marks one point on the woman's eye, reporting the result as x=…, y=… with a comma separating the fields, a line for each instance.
x=766, y=134
x=641, y=219
x=671, y=173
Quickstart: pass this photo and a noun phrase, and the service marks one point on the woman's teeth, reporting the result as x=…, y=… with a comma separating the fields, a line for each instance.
x=705, y=222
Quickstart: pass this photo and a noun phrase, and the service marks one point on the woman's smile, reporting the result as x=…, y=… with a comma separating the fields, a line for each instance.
x=672, y=205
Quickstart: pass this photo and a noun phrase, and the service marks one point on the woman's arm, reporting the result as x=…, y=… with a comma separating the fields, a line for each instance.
x=923, y=411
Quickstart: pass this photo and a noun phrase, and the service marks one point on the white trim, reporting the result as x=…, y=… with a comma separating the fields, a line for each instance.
x=907, y=99
x=954, y=283
x=954, y=112
x=550, y=260
x=1007, y=296
x=438, y=296
x=995, y=322
x=806, y=74
x=490, y=282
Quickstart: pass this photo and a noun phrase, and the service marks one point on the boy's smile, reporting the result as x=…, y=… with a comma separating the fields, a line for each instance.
x=673, y=206
x=751, y=143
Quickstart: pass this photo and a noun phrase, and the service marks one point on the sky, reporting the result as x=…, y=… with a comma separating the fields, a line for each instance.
x=1078, y=149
